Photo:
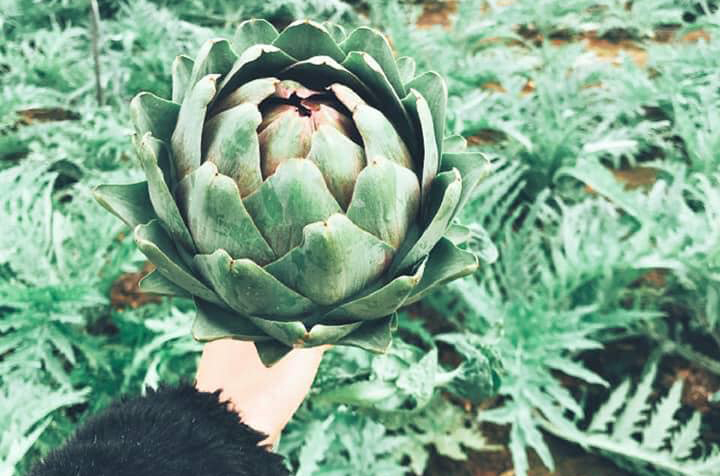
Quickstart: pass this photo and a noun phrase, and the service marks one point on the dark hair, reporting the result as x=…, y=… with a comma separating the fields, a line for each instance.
x=174, y=431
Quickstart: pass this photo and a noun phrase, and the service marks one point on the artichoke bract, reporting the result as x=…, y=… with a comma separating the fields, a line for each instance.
x=299, y=187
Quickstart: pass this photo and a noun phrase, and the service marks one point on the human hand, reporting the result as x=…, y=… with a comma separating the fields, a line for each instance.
x=265, y=398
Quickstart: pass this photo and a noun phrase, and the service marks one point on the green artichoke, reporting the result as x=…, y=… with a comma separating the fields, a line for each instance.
x=299, y=191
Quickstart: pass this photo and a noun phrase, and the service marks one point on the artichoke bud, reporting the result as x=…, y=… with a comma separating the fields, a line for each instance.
x=297, y=187
x=290, y=118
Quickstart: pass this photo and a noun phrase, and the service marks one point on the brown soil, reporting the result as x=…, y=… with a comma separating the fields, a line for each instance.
x=437, y=14
x=125, y=291
x=46, y=114
x=613, y=51
x=699, y=386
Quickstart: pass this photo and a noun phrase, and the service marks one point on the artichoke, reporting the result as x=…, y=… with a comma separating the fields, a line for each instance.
x=298, y=187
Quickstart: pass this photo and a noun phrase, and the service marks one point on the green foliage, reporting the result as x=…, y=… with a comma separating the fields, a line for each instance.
x=647, y=438
x=573, y=243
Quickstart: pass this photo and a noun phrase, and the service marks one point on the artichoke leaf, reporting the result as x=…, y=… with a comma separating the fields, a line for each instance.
x=385, y=201
x=231, y=142
x=288, y=136
x=181, y=71
x=473, y=166
x=321, y=334
x=335, y=260
x=155, y=243
x=270, y=352
x=152, y=152
x=442, y=204
x=458, y=234
x=253, y=92
x=305, y=38
x=253, y=32
x=418, y=106
x=216, y=56
x=454, y=143
x=296, y=335
x=291, y=333
x=336, y=31
x=445, y=263
x=320, y=72
x=214, y=322
x=150, y=113
x=249, y=289
x=217, y=218
x=156, y=283
x=186, y=139
x=293, y=197
x=379, y=136
x=433, y=88
x=258, y=61
x=379, y=301
x=376, y=45
x=374, y=335
x=130, y=203
x=339, y=159
x=371, y=73
x=406, y=69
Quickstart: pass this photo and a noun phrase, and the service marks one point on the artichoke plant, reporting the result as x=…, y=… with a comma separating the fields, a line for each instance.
x=299, y=187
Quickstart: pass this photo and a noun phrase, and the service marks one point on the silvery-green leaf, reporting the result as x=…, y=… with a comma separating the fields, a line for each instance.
x=473, y=167
x=152, y=152
x=371, y=74
x=305, y=38
x=379, y=136
x=376, y=45
x=155, y=243
x=181, y=70
x=386, y=200
x=150, y=113
x=156, y=283
x=320, y=72
x=289, y=333
x=374, y=335
x=187, y=137
x=339, y=159
x=293, y=197
x=406, y=69
x=335, y=30
x=253, y=32
x=287, y=137
x=230, y=141
x=253, y=92
x=442, y=203
x=335, y=260
x=217, y=218
x=433, y=88
x=216, y=57
x=130, y=203
x=445, y=263
x=454, y=143
x=322, y=334
x=214, y=322
x=418, y=107
x=379, y=301
x=270, y=352
x=258, y=61
x=249, y=289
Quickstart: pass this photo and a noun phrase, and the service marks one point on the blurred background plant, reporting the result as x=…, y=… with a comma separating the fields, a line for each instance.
x=593, y=341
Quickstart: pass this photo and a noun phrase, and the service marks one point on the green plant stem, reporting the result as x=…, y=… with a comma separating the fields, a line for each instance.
x=95, y=40
x=693, y=356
